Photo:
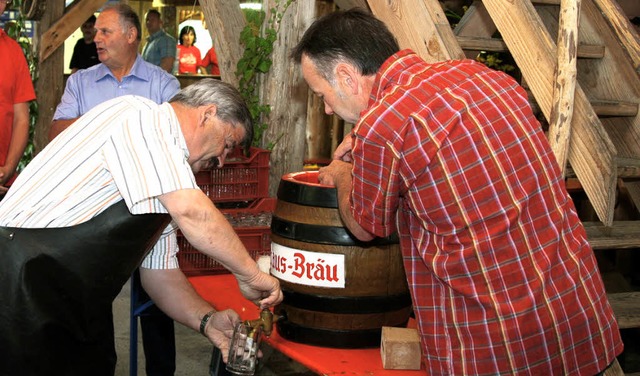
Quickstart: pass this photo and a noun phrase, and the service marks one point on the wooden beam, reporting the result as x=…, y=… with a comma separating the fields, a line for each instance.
x=565, y=81
x=626, y=308
x=614, y=108
x=50, y=84
x=620, y=235
x=319, y=124
x=592, y=154
x=602, y=108
x=283, y=88
x=433, y=41
x=225, y=21
x=55, y=36
x=622, y=28
x=348, y=4
x=628, y=168
x=585, y=51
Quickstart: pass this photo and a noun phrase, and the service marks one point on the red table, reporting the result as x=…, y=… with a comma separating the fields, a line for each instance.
x=222, y=292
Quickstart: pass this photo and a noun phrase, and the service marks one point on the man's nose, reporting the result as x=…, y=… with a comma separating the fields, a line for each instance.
x=223, y=157
x=328, y=110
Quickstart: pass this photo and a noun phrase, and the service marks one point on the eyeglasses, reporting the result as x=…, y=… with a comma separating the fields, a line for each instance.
x=5, y=1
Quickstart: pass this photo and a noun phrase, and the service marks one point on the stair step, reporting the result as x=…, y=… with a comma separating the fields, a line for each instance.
x=602, y=108
x=623, y=234
x=628, y=168
x=626, y=307
x=585, y=51
x=614, y=108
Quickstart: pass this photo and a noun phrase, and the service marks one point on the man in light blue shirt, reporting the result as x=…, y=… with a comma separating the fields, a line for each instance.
x=160, y=48
x=92, y=86
x=122, y=71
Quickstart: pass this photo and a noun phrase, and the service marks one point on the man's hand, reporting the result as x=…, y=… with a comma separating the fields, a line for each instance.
x=262, y=289
x=343, y=151
x=338, y=174
x=336, y=171
x=219, y=330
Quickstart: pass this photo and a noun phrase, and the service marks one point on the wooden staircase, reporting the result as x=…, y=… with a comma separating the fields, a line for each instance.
x=580, y=60
x=606, y=123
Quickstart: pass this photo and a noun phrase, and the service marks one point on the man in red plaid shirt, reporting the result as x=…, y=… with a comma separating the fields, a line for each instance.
x=451, y=157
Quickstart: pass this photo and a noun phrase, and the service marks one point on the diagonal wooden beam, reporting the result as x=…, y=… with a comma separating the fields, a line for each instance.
x=432, y=38
x=348, y=4
x=623, y=29
x=78, y=12
x=592, y=154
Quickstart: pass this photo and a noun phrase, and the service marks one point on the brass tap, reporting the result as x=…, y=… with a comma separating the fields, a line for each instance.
x=266, y=321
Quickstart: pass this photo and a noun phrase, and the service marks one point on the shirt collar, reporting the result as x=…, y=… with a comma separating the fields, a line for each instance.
x=155, y=35
x=138, y=70
x=389, y=70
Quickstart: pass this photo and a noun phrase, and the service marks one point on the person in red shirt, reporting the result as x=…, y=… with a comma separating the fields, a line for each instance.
x=16, y=91
x=451, y=157
x=189, y=58
x=211, y=59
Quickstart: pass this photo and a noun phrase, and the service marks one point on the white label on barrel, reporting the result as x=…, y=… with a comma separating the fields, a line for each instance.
x=307, y=268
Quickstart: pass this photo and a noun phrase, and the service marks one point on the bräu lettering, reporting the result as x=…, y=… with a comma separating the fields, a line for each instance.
x=301, y=268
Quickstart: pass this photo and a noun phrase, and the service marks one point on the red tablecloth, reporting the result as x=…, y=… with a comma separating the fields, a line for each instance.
x=222, y=292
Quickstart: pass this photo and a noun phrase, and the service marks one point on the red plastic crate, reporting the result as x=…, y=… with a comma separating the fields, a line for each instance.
x=253, y=226
x=240, y=179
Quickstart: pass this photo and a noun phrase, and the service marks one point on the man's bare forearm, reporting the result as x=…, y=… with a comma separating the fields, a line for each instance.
x=57, y=126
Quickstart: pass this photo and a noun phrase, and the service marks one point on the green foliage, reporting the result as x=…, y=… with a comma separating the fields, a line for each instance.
x=16, y=30
x=453, y=17
x=258, y=41
x=496, y=60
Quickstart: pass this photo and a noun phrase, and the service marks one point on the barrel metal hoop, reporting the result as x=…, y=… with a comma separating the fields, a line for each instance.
x=346, y=304
x=323, y=234
x=307, y=195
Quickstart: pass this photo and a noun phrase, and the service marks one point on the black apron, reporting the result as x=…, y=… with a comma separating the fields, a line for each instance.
x=57, y=286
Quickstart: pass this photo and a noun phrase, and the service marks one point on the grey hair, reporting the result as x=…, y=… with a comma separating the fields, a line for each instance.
x=232, y=108
x=128, y=17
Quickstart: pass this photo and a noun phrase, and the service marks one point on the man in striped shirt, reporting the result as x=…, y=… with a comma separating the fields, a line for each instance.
x=451, y=157
x=122, y=71
x=60, y=263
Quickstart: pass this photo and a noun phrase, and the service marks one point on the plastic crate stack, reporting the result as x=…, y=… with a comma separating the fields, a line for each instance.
x=240, y=189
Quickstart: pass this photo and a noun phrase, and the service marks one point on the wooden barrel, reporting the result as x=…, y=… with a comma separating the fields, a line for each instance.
x=338, y=292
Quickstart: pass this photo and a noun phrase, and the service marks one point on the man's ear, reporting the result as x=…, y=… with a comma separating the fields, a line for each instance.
x=348, y=77
x=209, y=112
x=132, y=34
